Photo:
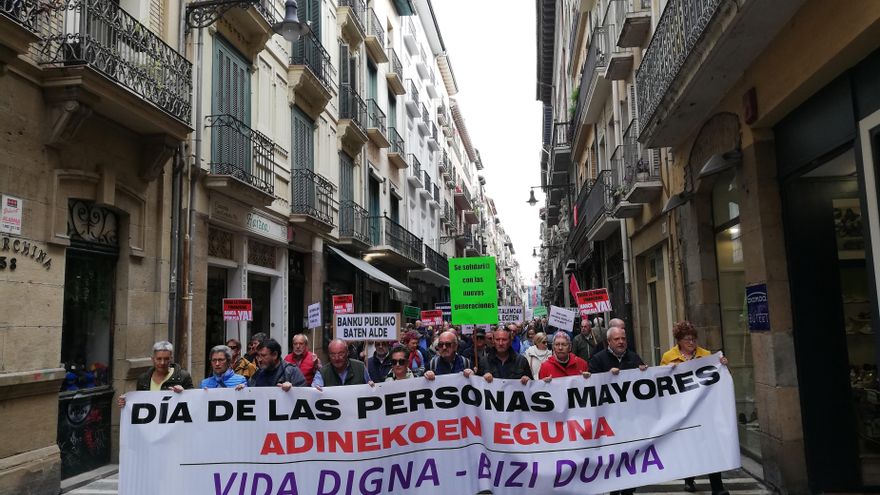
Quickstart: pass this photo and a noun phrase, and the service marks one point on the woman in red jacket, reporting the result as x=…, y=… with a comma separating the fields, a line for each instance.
x=563, y=362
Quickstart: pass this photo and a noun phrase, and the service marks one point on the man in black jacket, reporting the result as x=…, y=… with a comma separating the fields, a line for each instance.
x=163, y=375
x=504, y=363
x=379, y=364
x=275, y=371
x=616, y=356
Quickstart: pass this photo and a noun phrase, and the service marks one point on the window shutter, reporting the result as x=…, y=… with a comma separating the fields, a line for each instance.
x=343, y=65
x=314, y=17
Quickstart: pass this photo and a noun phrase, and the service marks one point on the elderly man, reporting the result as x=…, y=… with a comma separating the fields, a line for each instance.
x=616, y=356
x=585, y=343
x=563, y=362
x=163, y=375
x=379, y=364
x=274, y=371
x=307, y=361
x=504, y=363
x=341, y=370
x=617, y=323
x=222, y=375
x=240, y=365
x=448, y=360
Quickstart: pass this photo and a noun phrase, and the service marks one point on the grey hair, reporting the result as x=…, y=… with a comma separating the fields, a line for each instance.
x=608, y=332
x=562, y=334
x=304, y=336
x=224, y=349
x=163, y=345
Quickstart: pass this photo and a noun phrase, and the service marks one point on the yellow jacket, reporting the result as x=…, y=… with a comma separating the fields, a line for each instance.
x=674, y=356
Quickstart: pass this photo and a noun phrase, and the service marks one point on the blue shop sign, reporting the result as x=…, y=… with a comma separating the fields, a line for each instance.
x=759, y=309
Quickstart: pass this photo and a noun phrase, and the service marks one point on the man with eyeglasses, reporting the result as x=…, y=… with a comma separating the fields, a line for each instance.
x=341, y=370
x=240, y=364
x=563, y=362
x=222, y=375
x=448, y=360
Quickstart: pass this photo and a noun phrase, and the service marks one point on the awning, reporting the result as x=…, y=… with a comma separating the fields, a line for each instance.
x=399, y=291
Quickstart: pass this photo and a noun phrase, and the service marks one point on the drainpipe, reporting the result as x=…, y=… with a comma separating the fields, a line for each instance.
x=176, y=201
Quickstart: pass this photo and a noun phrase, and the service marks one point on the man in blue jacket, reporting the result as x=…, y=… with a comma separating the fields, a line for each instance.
x=275, y=371
x=222, y=375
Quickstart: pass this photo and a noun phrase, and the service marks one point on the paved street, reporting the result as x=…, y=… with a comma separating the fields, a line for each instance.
x=737, y=482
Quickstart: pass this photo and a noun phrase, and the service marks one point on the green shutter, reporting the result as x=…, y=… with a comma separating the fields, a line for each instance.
x=230, y=94
x=303, y=141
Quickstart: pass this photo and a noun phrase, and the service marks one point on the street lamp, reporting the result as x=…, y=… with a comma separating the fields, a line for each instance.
x=203, y=13
x=532, y=201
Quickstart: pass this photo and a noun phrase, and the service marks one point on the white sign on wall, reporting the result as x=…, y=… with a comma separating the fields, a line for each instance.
x=10, y=215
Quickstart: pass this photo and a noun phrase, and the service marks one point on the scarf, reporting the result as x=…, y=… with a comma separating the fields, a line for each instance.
x=415, y=356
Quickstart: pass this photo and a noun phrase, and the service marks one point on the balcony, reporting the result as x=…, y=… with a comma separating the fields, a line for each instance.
x=620, y=206
x=425, y=192
x=596, y=212
x=443, y=165
x=18, y=29
x=633, y=20
x=311, y=203
x=560, y=155
x=375, y=39
x=593, y=90
x=464, y=236
x=462, y=198
x=394, y=76
x=435, y=198
x=620, y=59
x=412, y=103
x=431, y=85
x=352, y=117
x=425, y=121
x=436, y=270
x=433, y=138
x=397, y=149
x=310, y=75
x=98, y=59
x=247, y=25
x=422, y=64
x=415, y=177
x=354, y=226
x=350, y=17
x=410, y=37
x=394, y=245
x=699, y=50
x=376, y=125
x=242, y=162
x=642, y=176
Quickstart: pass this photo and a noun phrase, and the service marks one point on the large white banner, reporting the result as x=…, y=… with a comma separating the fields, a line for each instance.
x=452, y=435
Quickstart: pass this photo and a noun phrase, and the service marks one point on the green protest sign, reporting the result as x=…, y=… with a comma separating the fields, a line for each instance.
x=473, y=291
x=411, y=312
x=540, y=311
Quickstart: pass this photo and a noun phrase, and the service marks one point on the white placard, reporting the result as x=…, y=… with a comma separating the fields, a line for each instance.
x=467, y=329
x=568, y=436
x=10, y=214
x=561, y=318
x=367, y=326
x=510, y=314
x=315, y=315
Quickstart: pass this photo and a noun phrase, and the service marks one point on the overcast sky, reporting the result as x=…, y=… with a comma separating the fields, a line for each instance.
x=491, y=46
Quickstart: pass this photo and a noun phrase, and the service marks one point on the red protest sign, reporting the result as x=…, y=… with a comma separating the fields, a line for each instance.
x=432, y=317
x=343, y=304
x=593, y=301
x=238, y=310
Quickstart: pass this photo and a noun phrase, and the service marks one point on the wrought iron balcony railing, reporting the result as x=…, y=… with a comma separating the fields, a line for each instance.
x=359, y=8
x=443, y=162
x=427, y=183
x=354, y=222
x=415, y=165
x=102, y=36
x=374, y=26
x=375, y=116
x=241, y=152
x=619, y=186
x=396, y=65
x=677, y=33
x=436, y=194
x=413, y=90
x=309, y=51
x=312, y=195
x=352, y=106
x=436, y=261
x=639, y=164
x=426, y=116
x=561, y=136
x=596, y=58
x=23, y=12
x=397, y=143
x=599, y=199
x=392, y=234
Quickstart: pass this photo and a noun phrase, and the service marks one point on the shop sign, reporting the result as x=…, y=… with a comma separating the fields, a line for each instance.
x=759, y=308
x=315, y=315
x=473, y=290
x=433, y=317
x=561, y=318
x=594, y=301
x=343, y=304
x=266, y=227
x=540, y=311
x=446, y=308
x=411, y=312
x=367, y=326
x=510, y=314
x=251, y=221
x=10, y=215
x=238, y=310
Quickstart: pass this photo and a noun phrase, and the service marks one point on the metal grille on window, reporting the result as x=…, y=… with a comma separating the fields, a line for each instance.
x=261, y=254
x=220, y=244
x=93, y=225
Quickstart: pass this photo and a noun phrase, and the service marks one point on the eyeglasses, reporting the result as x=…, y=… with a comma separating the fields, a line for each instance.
x=689, y=339
x=398, y=362
x=444, y=344
x=218, y=360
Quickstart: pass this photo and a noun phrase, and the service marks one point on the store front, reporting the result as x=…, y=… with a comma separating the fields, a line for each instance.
x=827, y=151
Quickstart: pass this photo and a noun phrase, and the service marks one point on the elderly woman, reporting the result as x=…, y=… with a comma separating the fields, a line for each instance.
x=538, y=353
x=163, y=375
x=399, y=364
x=685, y=349
x=222, y=375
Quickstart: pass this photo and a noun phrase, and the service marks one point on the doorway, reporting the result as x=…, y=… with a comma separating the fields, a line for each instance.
x=215, y=331
x=260, y=292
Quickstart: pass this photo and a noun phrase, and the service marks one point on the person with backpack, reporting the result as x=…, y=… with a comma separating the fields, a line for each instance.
x=448, y=360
